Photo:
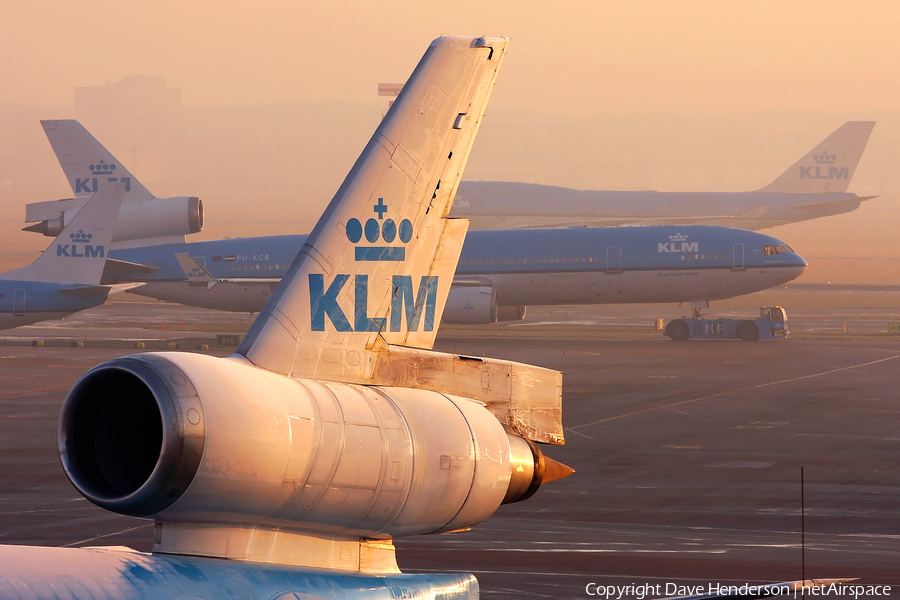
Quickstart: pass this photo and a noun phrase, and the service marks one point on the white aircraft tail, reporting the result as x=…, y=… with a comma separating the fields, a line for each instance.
x=78, y=254
x=87, y=164
x=379, y=263
x=829, y=166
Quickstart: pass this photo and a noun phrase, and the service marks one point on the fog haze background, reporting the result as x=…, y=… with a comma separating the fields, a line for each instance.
x=260, y=108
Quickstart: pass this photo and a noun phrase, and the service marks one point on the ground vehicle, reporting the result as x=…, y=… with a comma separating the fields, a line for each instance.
x=771, y=324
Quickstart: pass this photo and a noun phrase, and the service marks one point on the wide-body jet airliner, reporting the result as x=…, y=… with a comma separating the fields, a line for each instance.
x=499, y=272
x=815, y=186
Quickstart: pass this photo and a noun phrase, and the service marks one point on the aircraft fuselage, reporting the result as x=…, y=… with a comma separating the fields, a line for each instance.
x=609, y=265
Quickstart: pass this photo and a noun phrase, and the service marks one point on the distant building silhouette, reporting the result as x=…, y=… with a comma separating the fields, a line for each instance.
x=140, y=119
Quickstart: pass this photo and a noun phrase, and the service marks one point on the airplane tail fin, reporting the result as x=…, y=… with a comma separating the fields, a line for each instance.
x=86, y=163
x=78, y=254
x=829, y=166
x=379, y=262
x=194, y=271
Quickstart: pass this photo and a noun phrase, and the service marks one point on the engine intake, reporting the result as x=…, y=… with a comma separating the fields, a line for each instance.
x=126, y=438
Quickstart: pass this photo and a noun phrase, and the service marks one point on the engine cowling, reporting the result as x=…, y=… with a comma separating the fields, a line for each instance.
x=471, y=305
x=154, y=218
x=187, y=438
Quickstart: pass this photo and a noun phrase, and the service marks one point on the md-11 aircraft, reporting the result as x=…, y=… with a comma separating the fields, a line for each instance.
x=66, y=276
x=286, y=469
x=815, y=186
x=500, y=273
x=144, y=219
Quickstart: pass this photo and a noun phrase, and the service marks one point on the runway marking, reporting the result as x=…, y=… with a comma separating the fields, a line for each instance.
x=672, y=409
x=97, y=537
x=739, y=464
x=729, y=392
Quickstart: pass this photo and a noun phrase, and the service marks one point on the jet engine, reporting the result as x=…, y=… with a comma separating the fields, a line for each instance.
x=186, y=438
x=144, y=219
x=470, y=305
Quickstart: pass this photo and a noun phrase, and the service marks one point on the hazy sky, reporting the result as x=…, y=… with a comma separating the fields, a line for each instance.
x=668, y=95
x=573, y=57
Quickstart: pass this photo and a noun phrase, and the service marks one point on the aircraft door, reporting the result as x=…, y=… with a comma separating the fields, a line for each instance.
x=738, y=262
x=614, y=259
x=19, y=302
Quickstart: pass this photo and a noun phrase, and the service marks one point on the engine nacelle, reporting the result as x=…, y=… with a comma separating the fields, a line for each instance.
x=470, y=305
x=154, y=218
x=188, y=438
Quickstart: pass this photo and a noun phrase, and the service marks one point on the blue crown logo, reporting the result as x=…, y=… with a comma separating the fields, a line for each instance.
x=81, y=237
x=678, y=237
x=380, y=229
x=824, y=158
x=102, y=168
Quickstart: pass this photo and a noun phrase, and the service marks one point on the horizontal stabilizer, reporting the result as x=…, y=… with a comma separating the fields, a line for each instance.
x=123, y=270
x=86, y=291
x=829, y=166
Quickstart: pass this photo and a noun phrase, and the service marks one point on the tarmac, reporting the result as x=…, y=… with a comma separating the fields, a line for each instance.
x=688, y=455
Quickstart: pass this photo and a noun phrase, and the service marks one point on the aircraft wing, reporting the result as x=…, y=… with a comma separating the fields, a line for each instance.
x=196, y=273
x=390, y=212
x=87, y=291
x=828, y=207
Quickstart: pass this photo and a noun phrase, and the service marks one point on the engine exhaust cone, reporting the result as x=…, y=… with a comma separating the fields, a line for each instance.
x=554, y=470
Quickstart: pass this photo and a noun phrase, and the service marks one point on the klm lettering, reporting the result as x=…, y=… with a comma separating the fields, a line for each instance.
x=679, y=247
x=409, y=309
x=71, y=250
x=833, y=173
x=90, y=185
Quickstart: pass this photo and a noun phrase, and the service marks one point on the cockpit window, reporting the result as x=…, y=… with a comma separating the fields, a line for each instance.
x=773, y=249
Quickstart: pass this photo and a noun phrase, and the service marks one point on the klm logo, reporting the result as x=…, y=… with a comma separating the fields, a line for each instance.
x=82, y=241
x=380, y=230
x=409, y=310
x=678, y=243
x=818, y=172
x=90, y=185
